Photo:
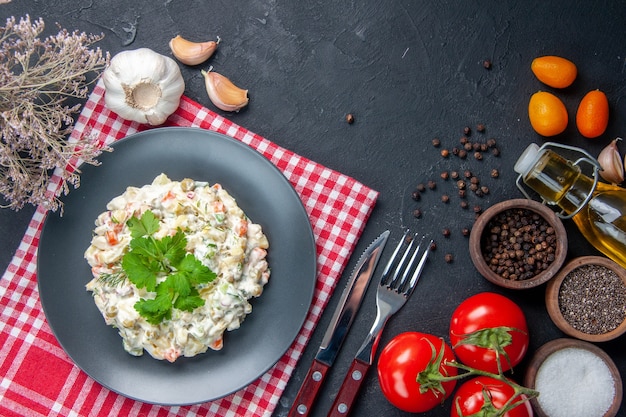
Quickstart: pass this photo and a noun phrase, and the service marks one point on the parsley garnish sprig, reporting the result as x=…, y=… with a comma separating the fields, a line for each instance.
x=150, y=259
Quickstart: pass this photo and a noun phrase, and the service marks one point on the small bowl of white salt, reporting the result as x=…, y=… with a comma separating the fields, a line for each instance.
x=574, y=378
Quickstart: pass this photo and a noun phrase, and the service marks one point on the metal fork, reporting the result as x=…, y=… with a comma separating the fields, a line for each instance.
x=397, y=283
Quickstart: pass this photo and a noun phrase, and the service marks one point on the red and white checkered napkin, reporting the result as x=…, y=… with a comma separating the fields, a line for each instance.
x=38, y=378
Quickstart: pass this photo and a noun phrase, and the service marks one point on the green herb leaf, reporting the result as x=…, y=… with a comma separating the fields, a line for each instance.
x=112, y=279
x=147, y=225
x=145, y=246
x=155, y=310
x=176, y=285
x=172, y=248
x=141, y=270
x=196, y=272
x=189, y=303
x=150, y=258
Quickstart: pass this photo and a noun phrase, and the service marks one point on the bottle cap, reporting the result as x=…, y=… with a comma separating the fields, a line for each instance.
x=527, y=160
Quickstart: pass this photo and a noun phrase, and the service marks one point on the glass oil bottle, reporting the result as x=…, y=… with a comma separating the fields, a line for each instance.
x=597, y=208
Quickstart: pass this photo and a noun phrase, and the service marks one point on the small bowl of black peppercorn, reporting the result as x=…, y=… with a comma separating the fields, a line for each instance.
x=518, y=244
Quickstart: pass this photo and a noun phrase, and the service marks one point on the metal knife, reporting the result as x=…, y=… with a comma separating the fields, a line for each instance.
x=343, y=316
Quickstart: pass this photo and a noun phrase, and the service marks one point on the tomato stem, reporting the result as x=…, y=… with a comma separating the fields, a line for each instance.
x=433, y=380
x=494, y=338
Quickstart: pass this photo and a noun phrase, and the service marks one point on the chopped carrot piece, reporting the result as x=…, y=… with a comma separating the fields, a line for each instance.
x=111, y=237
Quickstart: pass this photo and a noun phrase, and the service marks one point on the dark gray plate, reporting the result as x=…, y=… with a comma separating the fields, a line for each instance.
x=260, y=190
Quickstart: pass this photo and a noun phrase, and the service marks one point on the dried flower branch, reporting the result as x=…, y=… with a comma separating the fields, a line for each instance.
x=37, y=78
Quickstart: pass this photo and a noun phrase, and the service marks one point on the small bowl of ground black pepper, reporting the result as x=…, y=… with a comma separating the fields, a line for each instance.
x=587, y=299
x=518, y=244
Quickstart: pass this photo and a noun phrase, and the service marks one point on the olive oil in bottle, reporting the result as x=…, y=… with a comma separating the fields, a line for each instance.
x=597, y=208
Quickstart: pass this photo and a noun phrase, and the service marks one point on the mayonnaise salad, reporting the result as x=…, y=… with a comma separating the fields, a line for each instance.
x=218, y=234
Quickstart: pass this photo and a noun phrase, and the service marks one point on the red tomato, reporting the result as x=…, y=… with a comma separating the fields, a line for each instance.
x=469, y=399
x=486, y=323
x=400, y=363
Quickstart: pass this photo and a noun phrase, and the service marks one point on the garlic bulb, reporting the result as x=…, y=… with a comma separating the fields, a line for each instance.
x=192, y=53
x=223, y=93
x=611, y=163
x=143, y=86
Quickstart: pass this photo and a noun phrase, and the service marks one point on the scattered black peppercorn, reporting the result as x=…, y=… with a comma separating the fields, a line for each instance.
x=449, y=258
x=446, y=232
x=464, y=180
x=433, y=246
x=487, y=64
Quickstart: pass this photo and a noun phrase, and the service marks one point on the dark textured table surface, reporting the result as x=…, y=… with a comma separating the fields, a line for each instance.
x=408, y=71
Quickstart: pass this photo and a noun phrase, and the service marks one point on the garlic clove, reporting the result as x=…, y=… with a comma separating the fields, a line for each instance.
x=611, y=163
x=223, y=93
x=192, y=53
